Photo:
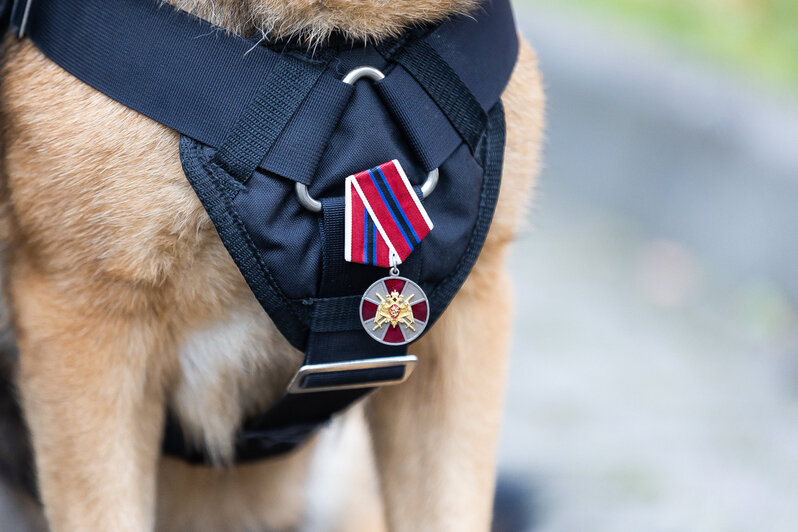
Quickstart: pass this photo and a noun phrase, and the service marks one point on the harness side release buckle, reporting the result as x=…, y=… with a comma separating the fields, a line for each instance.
x=352, y=374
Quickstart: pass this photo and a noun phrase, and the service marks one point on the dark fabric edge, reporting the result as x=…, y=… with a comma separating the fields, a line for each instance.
x=491, y=152
x=213, y=186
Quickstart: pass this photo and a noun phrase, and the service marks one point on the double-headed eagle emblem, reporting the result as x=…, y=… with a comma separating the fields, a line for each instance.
x=394, y=309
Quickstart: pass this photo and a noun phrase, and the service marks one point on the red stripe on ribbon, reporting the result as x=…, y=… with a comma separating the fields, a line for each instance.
x=357, y=220
x=383, y=252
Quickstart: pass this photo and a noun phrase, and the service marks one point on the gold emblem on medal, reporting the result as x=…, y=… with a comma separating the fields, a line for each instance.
x=394, y=310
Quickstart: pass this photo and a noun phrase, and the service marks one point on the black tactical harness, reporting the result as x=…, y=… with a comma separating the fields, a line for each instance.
x=267, y=127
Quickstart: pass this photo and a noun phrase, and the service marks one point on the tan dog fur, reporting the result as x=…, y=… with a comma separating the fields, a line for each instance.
x=125, y=301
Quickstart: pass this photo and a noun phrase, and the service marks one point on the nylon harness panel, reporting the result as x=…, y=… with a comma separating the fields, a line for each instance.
x=256, y=118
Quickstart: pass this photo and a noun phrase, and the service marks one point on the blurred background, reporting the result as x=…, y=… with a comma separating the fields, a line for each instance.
x=654, y=378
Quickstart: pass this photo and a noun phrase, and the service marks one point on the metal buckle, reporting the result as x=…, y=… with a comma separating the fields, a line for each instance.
x=408, y=362
x=314, y=205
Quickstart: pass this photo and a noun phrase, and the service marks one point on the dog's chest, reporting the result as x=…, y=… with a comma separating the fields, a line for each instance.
x=234, y=368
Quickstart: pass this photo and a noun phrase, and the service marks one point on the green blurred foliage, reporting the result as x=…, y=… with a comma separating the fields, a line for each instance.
x=759, y=36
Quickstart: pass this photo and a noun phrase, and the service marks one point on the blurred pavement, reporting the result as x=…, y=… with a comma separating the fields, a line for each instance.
x=654, y=380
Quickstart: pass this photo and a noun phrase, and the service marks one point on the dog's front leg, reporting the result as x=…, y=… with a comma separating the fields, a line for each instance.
x=435, y=436
x=90, y=392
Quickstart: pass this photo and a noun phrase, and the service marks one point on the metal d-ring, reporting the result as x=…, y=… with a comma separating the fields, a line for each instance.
x=367, y=72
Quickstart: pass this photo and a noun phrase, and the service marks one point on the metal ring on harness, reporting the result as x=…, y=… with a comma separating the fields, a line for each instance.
x=373, y=74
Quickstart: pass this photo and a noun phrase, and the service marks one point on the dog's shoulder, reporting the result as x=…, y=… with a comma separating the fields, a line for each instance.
x=96, y=190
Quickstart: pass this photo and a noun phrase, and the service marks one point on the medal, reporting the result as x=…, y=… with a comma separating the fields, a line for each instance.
x=384, y=222
x=394, y=310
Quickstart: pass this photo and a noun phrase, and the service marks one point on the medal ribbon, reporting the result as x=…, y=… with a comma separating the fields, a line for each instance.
x=385, y=219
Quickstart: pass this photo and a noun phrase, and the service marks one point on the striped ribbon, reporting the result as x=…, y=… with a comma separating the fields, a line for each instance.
x=385, y=219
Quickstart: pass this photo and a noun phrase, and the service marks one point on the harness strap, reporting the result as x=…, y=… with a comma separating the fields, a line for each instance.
x=296, y=153
x=110, y=44
x=446, y=89
x=204, y=80
x=316, y=408
x=277, y=100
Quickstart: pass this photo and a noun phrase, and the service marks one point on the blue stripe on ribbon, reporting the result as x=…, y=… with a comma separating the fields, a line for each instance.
x=390, y=211
x=365, y=235
x=398, y=205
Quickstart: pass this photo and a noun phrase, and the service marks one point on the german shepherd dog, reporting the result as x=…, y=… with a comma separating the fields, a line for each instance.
x=124, y=303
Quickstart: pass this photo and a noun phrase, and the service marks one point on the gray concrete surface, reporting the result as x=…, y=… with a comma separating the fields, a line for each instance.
x=654, y=380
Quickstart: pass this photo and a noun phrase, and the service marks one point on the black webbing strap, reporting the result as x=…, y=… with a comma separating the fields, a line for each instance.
x=445, y=88
x=334, y=280
x=299, y=414
x=199, y=80
x=287, y=85
x=166, y=64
